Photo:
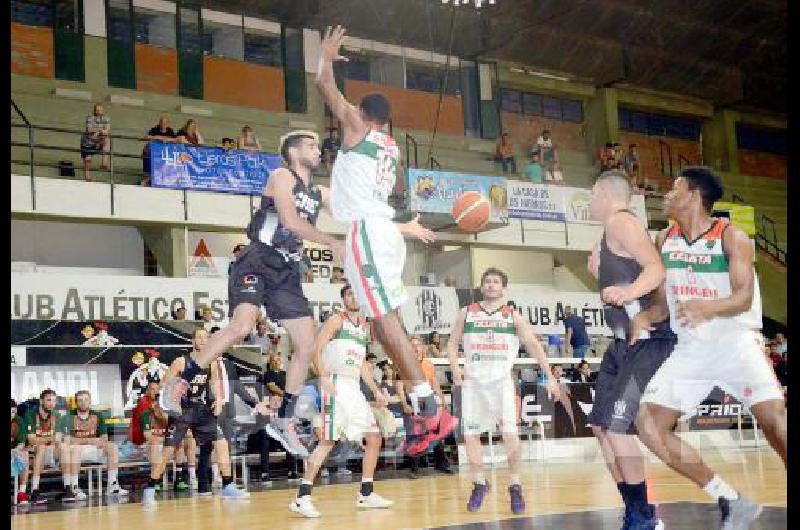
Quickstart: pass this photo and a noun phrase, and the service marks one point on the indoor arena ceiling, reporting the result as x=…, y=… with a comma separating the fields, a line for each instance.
x=730, y=51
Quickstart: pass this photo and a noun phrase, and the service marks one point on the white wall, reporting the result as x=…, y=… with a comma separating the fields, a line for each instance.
x=521, y=266
x=60, y=244
x=454, y=262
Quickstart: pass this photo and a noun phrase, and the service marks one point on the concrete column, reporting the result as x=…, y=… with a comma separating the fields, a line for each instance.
x=168, y=244
x=95, y=53
x=720, y=150
x=602, y=119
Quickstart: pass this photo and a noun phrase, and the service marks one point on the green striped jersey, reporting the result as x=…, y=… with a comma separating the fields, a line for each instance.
x=490, y=343
x=346, y=352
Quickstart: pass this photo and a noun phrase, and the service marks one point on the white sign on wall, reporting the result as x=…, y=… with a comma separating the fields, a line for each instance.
x=543, y=308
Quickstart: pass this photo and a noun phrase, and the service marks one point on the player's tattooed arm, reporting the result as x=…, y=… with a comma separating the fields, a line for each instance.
x=347, y=113
x=456, y=333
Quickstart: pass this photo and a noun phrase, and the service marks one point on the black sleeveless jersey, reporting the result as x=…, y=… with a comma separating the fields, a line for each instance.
x=618, y=271
x=199, y=393
x=265, y=226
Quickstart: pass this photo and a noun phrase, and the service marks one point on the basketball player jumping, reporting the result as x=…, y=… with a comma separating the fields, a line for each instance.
x=714, y=307
x=628, y=270
x=491, y=332
x=362, y=179
x=268, y=273
x=340, y=350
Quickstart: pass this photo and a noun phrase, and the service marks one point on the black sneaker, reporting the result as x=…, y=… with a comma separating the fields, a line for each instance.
x=36, y=498
x=68, y=495
x=293, y=475
x=204, y=489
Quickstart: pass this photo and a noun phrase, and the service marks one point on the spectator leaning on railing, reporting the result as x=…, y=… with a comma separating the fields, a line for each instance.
x=248, y=140
x=162, y=132
x=95, y=139
x=190, y=134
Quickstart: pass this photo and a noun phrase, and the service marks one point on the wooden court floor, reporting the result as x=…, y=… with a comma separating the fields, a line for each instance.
x=427, y=502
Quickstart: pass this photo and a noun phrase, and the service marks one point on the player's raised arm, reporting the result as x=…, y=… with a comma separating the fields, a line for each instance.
x=456, y=333
x=175, y=368
x=347, y=113
x=528, y=338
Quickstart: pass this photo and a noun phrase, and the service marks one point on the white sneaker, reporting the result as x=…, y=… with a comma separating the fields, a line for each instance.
x=80, y=495
x=373, y=500
x=343, y=472
x=115, y=490
x=216, y=483
x=324, y=473
x=304, y=507
x=193, y=485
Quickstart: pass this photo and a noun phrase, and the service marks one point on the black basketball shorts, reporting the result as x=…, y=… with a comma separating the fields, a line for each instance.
x=200, y=420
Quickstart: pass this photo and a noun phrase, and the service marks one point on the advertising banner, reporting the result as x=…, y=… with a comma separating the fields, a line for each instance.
x=576, y=205
x=544, y=308
x=536, y=202
x=434, y=191
x=202, y=168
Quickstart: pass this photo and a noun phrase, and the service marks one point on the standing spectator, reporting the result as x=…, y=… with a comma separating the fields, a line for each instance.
x=577, y=341
x=533, y=169
x=86, y=434
x=248, y=141
x=337, y=276
x=330, y=147
x=274, y=388
x=161, y=131
x=608, y=157
x=46, y=442
x=450, y=281
x=190, y=134
x=554, y=344
x=583, y=374
x=504, y=153
x=780, y=342
x=20, y=453
x=548, y=154
x=262, y=336
x=96, y=139
x=630, y=163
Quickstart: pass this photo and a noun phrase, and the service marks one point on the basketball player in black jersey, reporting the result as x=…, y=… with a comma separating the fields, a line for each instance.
x=269, y=273
x=199, y=414
x=629, y=270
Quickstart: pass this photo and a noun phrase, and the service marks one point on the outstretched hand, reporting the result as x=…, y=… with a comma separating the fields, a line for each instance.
x=416, y=230
x=332, y=40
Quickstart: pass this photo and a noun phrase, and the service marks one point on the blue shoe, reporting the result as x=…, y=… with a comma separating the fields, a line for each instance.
x=626, y=519
x=517, y=501
x=645, y=521
x=232, y=492
x=149, y=497
x=479, y=492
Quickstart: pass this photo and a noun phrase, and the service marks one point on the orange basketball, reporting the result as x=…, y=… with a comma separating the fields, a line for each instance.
x=471, y=211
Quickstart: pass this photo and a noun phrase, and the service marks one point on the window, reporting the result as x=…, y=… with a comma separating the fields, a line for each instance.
x=156, y=28
x=532, y=104
x=119, y=20
x=68, y=17
x=761, y=139
x=191, y=39
x=511, y=100
x=223, y=40
x=430, y=78
x=659, y=124
x=551, y=108
x=572, y=110
x=357, y=69
x=32, y=12
x=262, y=47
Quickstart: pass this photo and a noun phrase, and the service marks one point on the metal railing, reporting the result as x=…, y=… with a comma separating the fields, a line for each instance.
x=434, y=164
x=411, y=142
x=662, y=148
x=767, y=240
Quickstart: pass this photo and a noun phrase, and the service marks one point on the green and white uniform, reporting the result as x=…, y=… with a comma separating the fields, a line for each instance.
x=361, y=181
x=347, y=413
x=720, y=352
x=490, y=348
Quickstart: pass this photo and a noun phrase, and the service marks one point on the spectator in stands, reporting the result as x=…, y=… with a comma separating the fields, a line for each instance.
x=577, y=340
x=248, y=141
x=262, y=336
x=548, y=154
x=274, y=386
x=630, y=163
x=237, y=250
x=179, y=314
x=780, y=342
x=553, y=344
x=372, y=361
x=228, y=143
x=46, y=441
x=583, y=374
x=190, y=134
x=504, y=153
x=558, y=373
x=389, y=388
x=337, y=276
x=207, y=317
x=96, y=139
x=533, y=169
x=435, y=344
x=450, y=281
x=86, y=434
x=330, y=147
x=19, y=453
x=608, y=157
x=162, y=132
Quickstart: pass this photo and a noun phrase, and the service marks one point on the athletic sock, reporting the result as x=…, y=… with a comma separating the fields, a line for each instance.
x=192, y=369
x=419, y=392
x=215, y=471
x=193, y=473
x=35, y=482
x=112, y=476
x=286, y=409
x=513, y=479
x=717, y=488
x=67, y=478
x=480, y=478
x=637, y=494
x=227, y=480
x=366, y=487
x=304, y=489
x=74, y=480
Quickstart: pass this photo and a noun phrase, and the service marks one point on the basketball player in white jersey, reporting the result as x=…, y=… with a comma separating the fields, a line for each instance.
x=362, y=179
x=714, y=305
x=340, y=350
x=268, y=273
x=491, y=332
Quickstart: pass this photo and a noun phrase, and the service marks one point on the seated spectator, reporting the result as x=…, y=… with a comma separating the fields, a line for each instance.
x=161, y=132
x=781, y=343
x=608, y=157
x=86, y=433
x=533, y=169
x=583, y=374
x=548, y=154
x=558, y=373
x=46, y=441
x=504, y=153
x=435, y=344
x=630, y=164
x=337, y=276
x=330, y=147
x=450, y=281
x=554, y=175
x=20, y=453
x=389, y=388
x=207, y=317
x=248, y=141
x=179, y=314
x=262, y=337
x=190, y=134
x=228, y=144
x=95, y=139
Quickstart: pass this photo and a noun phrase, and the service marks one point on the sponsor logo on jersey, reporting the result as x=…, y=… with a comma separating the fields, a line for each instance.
x=250, y=279
x=700, y=259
